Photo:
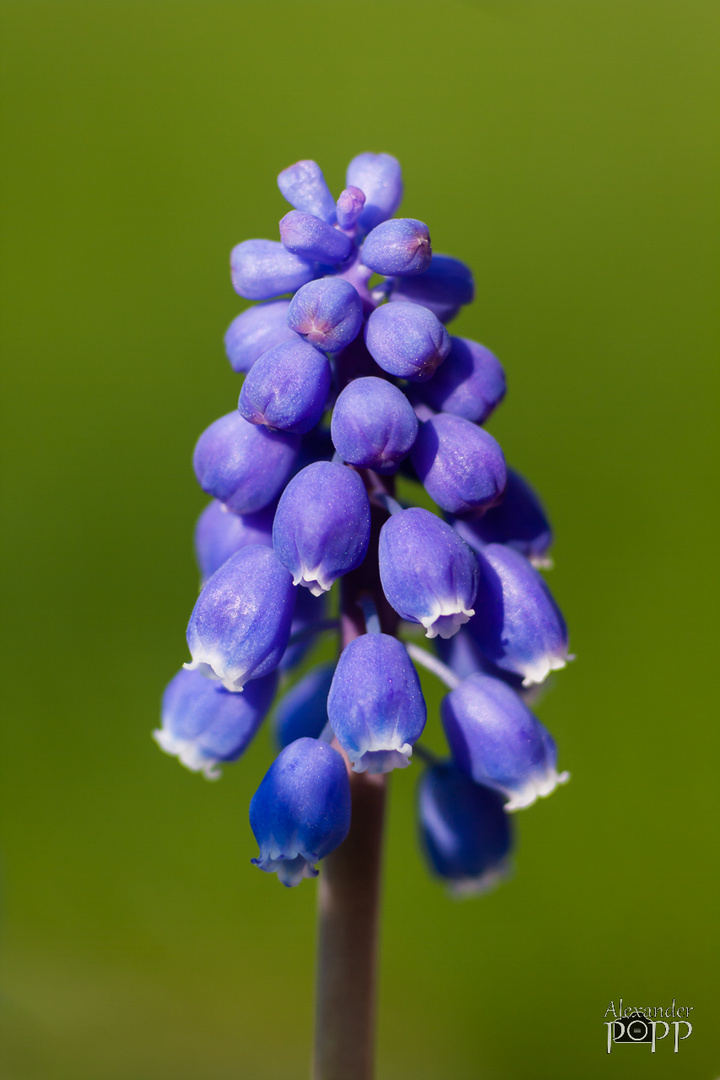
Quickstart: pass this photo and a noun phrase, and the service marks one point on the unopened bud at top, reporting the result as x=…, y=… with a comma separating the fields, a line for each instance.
x=399, y=246
x=349, y=207
x=444, y=287
x=287, y=388
x=470, y=382
x=460, y=465
x=406, y=340
x=304, y=187
x=373, y=425
x=313, y=239
x=255, y=331
x=327, y=313
x=264, y=269
x=379, y=177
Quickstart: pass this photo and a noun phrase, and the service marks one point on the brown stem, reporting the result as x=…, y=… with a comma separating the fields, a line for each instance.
x=350, y=879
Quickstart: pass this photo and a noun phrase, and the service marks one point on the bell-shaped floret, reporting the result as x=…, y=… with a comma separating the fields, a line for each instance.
x=304, y=187
x=301, y=811
x=517, y=625
x=309, y=611
x=203, y=724
x=243, y=465
x=375, y=706
x=460, y=465
x=349, y=207
x=464, y=657
x=519, y=521
x=255, y=331
x=240, y=625
x=327, y=312
x=313, y=239
x=219, y=534
x=264, y=269
x=287, y=389
x=400, y=246
x=373, y=425
x=406, y=340
x=302, y=711
x=465, y=831
x=495, y=739
x=444, y=287
x=427, y=576
x=322, y=525
x=469, y=383
x=379, y=177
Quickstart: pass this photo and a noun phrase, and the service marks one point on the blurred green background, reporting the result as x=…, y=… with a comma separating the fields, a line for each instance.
x=568, y=152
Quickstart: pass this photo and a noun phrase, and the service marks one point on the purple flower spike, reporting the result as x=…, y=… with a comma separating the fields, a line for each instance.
x=304, y=187
x=444, y=287
x=349, y=207
x=301, y=811
x=322, y=525
x=461, y=466
x=240, y=625
x=373, y=425
x=518, y=625
x=465, y=831
x=302, y=712
x=497, y=741
x=314, y=239
x=327, y=312
x=220, y=533
x=400, y=246
x=243, y=465
x=406, y=340
x=380, y=178
x=203, y=724
x=519, y=521
x=287, y=389
x=376, y=707
x=470, y=382
x=255, y=331
x=428, y=574
x=264, y=269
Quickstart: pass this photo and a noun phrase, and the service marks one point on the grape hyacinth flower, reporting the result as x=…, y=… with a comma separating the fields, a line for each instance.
x=301, y=811
x=220, y=533
x=465, y=831
x=428, y=573
x=497, y=741
x=204, y=724
x=350, y=386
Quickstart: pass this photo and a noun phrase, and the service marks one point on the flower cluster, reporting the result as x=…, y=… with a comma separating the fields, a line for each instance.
x=350, y=375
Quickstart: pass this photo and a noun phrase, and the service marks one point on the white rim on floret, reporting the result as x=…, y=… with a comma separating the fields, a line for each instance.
x=539, y=787
x=382, y=759
x=188, y=754
x=538, y=671
x=211, y=666
x=313, y=579
x=446, y=619
x=483, y=883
